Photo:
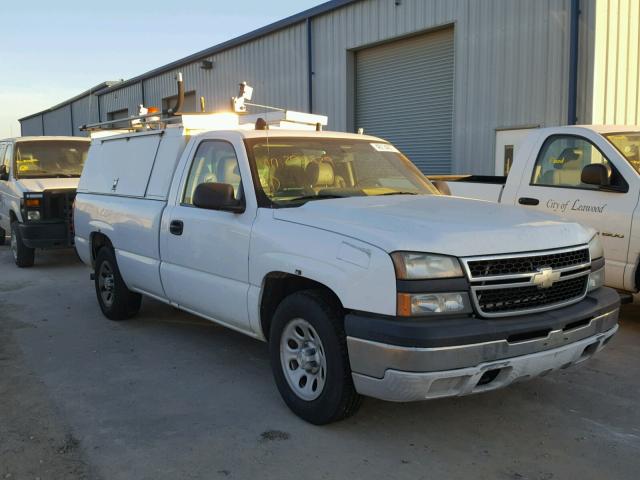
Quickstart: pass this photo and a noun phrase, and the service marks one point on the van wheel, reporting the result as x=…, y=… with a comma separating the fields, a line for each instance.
x=3, y=237
x=22, y=255
x=309, y=359
x=116, y=301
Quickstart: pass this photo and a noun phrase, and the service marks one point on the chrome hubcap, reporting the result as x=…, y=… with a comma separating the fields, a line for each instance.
x=106, y=283
x=303, y=359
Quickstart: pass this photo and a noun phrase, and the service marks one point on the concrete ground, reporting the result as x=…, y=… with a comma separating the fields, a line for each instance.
x=168, y=396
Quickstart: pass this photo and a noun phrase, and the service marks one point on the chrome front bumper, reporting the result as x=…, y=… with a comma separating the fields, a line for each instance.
x=402, y=374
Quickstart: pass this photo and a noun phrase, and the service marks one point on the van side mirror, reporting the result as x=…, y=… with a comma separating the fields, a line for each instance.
x=4, y=173
x=217, y=196
x=596, y=174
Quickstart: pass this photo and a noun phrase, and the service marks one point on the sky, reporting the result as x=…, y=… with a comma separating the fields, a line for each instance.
x=54, y=50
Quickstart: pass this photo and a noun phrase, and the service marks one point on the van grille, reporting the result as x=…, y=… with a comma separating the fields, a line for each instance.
x=58, y=207
x=505, y=285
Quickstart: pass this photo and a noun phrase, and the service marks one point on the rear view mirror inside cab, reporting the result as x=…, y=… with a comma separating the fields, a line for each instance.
x=217, y=196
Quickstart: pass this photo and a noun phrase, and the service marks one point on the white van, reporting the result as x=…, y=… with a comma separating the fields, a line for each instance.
x=38, y=180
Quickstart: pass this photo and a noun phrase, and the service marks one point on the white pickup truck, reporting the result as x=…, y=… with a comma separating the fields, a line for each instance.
x=586, y=174
x=336, y=250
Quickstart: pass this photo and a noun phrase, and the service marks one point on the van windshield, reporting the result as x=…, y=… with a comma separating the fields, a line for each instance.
x=49, y=158
x=294, y=171
x=628, y=144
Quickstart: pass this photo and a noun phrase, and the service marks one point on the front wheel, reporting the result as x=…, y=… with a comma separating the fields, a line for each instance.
x=309, y=358
x=116, y=301
x=22, y=255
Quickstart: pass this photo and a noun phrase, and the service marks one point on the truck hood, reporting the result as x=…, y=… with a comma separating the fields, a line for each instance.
x=41, y=184
x=437, y=224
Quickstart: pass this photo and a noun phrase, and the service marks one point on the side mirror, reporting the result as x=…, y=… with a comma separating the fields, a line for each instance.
x=217, y=196
x=596, y=174
x=4, y=173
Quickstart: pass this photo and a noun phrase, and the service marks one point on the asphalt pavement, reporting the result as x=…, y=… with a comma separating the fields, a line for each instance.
x=169, y=396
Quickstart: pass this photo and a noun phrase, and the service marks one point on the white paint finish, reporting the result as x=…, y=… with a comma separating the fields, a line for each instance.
x=437, y=224
x=120, y=165
x=132, y=225
x=620, y=218
x=310, y=251
x=489, y=192
x=171, y=147
x=504, y=138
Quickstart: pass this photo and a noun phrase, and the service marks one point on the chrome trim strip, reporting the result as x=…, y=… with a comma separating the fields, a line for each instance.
x=520, y=255
x=528, y=284
x=529, y=275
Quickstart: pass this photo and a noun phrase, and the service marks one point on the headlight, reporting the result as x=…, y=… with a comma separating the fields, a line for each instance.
x=423, y=266
x=596, y=280
x=33, y=215
x=423, y=304
x=596, y=250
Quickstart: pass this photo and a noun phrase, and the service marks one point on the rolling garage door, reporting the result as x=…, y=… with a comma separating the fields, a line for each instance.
x=404, y=93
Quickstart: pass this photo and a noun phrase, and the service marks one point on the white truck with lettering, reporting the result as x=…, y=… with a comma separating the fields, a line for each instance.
x=339, y=253
x=585, y=174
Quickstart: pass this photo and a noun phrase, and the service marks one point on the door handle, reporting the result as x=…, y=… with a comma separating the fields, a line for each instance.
x=528, y=201
x=176, y=227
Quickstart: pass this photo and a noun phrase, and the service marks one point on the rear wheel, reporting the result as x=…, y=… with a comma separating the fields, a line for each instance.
x=22, y=255
x=116, y=301
x=309, y=358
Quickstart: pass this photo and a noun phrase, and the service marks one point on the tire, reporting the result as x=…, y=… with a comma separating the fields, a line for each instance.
x=323, y=360
x=22, y=255
x=116, y=301
x=3, y=237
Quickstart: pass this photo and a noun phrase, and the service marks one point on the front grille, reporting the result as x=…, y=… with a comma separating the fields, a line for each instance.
x=495, y=267
x=504, y=285
x=530, y=297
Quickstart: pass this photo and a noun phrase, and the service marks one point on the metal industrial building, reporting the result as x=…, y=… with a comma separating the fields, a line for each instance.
x=453, y=83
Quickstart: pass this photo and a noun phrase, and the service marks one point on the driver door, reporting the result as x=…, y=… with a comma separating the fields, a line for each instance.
x=555, y=187
x=205, y=253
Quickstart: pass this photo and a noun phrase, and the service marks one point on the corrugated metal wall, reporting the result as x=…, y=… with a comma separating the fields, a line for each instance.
x=31, y=126
x=58, y=122
x=508, y=72
x=274, y=65
x=511, y=66
x=616, y=91
x=129, y=97
x=85, y=110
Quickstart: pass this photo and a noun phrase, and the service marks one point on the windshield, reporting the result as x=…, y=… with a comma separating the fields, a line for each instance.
x=296, y=170
x=46, y=159
x=628, y=144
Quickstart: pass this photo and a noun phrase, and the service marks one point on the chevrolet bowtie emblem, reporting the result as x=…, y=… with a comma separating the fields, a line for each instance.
x=545, y=278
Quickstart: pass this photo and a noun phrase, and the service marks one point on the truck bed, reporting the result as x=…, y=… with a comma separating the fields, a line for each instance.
x=480, y=187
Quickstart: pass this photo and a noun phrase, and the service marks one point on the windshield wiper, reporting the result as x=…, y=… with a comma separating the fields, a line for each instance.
x=315, y=197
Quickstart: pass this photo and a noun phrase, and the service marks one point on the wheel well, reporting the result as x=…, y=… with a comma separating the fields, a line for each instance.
x=279, y=285
x=98, y=241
